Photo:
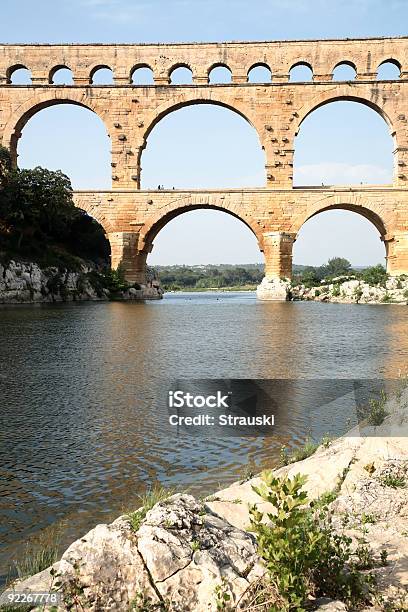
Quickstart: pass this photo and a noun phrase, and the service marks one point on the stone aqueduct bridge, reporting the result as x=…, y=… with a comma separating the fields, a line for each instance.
x=132, y=217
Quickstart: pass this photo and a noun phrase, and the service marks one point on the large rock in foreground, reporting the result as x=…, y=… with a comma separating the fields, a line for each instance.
x=180, y=554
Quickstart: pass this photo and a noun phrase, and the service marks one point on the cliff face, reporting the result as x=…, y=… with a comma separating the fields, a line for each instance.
x=27, y=283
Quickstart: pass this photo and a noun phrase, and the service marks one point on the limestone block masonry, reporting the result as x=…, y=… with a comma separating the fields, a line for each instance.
x=132, y=217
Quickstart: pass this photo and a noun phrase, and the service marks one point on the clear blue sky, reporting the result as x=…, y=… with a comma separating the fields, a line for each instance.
x=230, y=155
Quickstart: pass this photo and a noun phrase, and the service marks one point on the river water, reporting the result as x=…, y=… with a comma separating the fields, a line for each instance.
x=82, y=396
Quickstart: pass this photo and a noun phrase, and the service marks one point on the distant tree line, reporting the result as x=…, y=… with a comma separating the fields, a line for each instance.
x=176, y=278
x=39, y=221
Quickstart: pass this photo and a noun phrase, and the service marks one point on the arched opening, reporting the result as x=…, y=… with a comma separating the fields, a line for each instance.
x=345, y=71
x=61, y=75
x=101, y=75
x=182, y=75
x=259, y=73
x=203, y=248
x=389, y=71
x=300, y=73
x=203, y=145
x=343, y=142
x=85, y=154
x=142, y=75
x=219, y=74
x=19, y=75
x=343, y=232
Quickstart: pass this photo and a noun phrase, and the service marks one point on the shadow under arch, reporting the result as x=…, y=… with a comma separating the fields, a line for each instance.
x=149, y=234
x=26, y=111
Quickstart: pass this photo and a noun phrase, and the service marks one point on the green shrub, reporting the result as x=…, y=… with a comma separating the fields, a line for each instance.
x=147, y=501
x=377, y=411
x=298, y=454
x=395, y=482
x=336, y=290
x=301, y=551
x=114, y=280
x=36, y=559
x=375, y=275
x=358, y=293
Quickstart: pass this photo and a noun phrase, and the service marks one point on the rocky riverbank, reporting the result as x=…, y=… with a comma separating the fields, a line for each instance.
x=27, y=283
x=191, y=555
x=352, y=290
x=341, y=290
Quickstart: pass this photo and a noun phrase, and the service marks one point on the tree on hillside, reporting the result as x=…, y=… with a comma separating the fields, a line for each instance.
x=37, y=203
x=38, y=215
x=337, y=266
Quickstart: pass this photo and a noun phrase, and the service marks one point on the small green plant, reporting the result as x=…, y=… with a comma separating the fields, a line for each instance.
x=358, y=293
x=147, y=501
x=326, y=441
x=336, y=290
x=213, y=498
x=143, y=603
x=384, y=557
x=386, y=299
x=309, y=447
x=195, y=545
x=222, y=596
x=301, y=551
x=364, y=556
x=395, y=482
x=368, y=519
x=35, y=560
x=376, y=412
x=305, y=451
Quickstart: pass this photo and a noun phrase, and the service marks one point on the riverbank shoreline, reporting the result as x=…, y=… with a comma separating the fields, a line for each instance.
x=171, y=552
x=28, y=283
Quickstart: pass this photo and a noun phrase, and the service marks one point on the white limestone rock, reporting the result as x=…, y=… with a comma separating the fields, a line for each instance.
x=276, y=289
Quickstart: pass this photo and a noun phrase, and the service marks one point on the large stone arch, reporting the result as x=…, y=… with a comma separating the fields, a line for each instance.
x=344, y=92
x=24, y=112
x=190, y=98
x=169, y=212
x=375, y=213
x=383, y=220
x=184, y=99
